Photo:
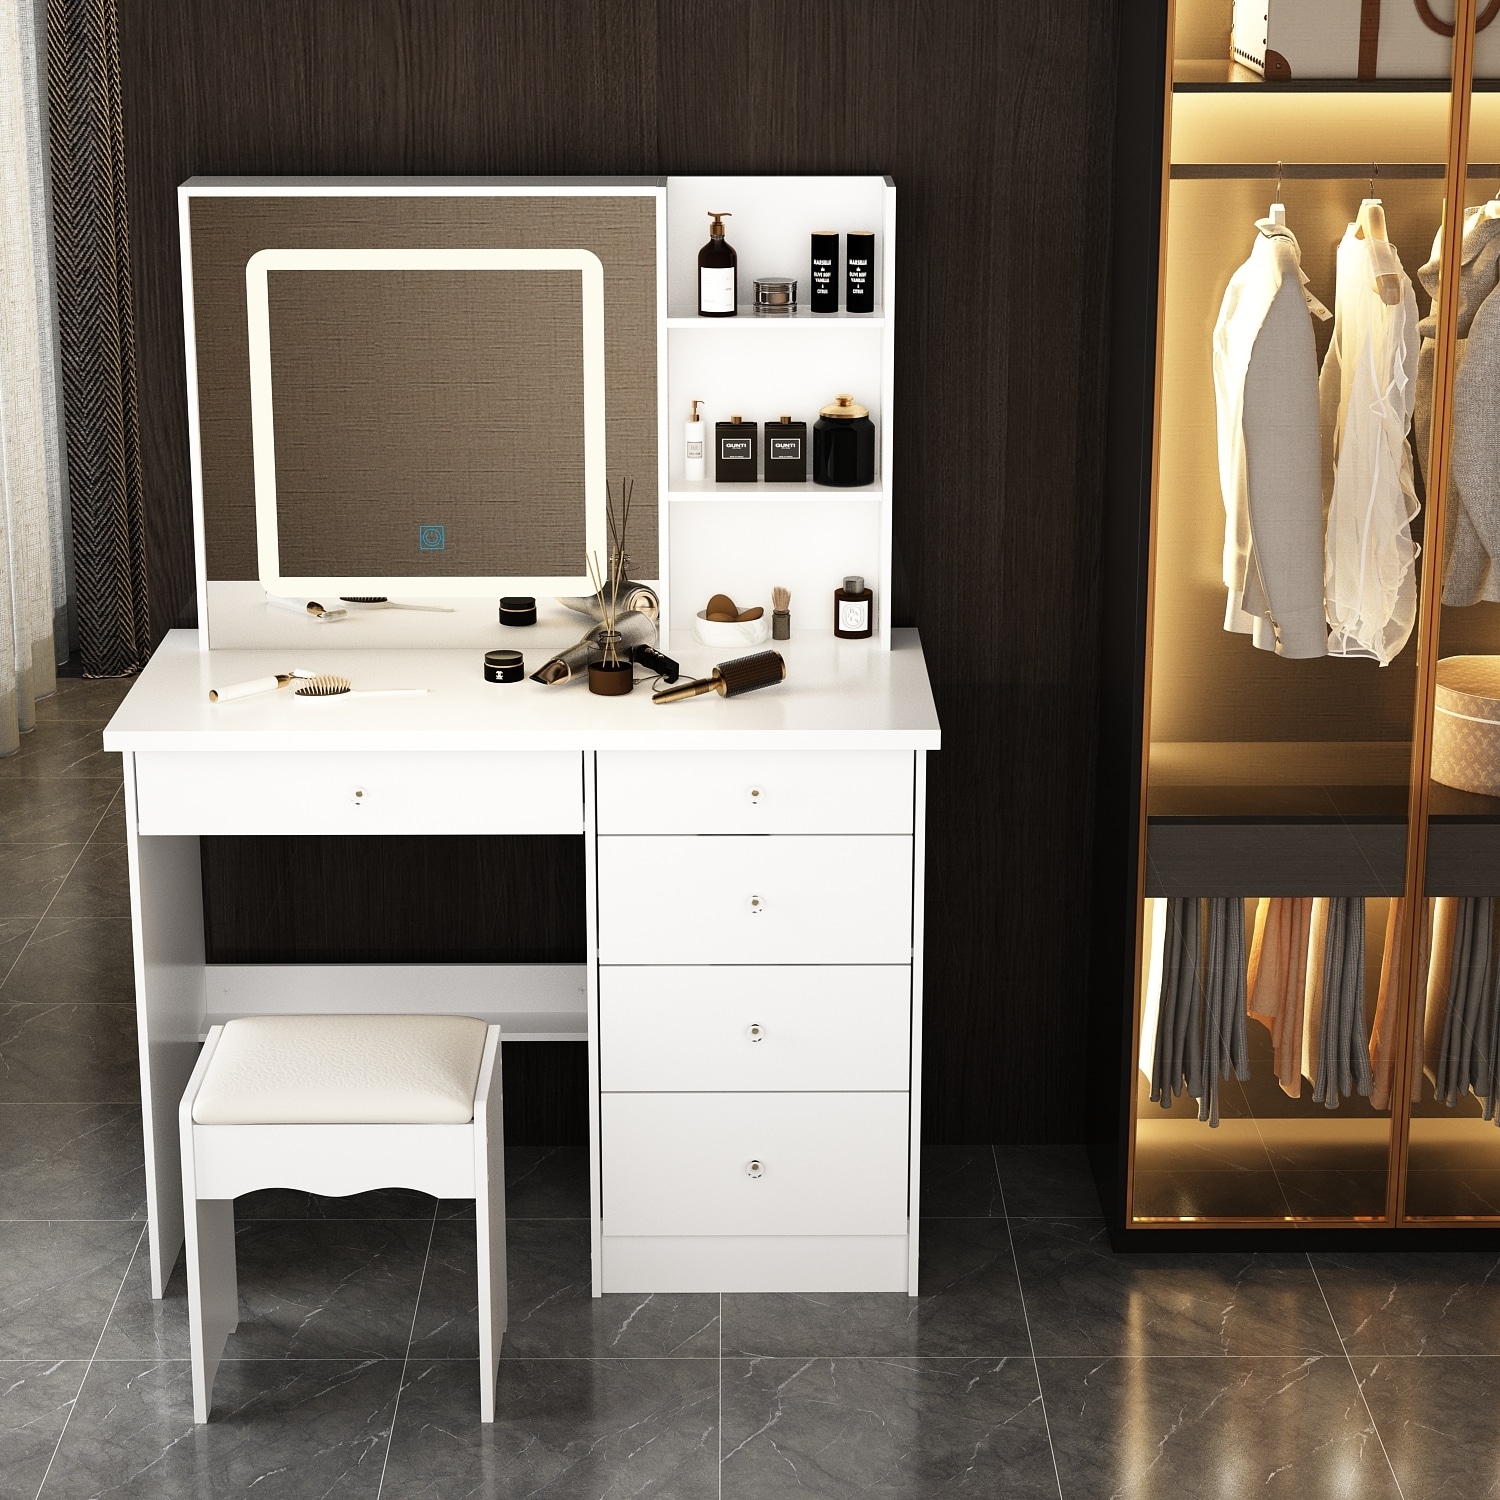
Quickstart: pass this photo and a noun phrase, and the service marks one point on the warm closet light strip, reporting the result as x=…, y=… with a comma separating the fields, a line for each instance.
x=1429, y=619
x=1322, y=171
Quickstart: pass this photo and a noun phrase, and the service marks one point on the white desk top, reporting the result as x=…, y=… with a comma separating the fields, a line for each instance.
x=839, y=695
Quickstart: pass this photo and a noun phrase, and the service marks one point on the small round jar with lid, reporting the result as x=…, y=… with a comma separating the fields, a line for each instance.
x=844, y=444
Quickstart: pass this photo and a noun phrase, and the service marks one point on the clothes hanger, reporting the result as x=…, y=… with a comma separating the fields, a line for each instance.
x=1277, y=214
x=1370, y=226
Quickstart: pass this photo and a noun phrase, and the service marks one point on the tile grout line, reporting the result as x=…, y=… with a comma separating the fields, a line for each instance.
x=411, y=1335
x=82, y=849
x=1359, y=1385
x=98, y=1344
x=1036, y=1369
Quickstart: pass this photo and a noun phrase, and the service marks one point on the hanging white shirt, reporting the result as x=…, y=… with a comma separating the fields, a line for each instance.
x=1266, y=390
x=1368, y=392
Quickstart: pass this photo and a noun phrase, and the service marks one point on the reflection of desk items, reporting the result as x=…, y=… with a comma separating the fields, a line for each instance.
x=433, y=443
x=379, y=601
x=311, y=608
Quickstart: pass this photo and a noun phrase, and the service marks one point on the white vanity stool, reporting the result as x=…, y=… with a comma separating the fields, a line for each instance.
x=339, y=1104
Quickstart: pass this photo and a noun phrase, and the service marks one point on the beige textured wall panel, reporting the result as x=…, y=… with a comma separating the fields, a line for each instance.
x=500, y=499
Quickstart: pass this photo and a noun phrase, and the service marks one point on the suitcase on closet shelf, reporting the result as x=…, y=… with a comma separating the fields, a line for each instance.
x=1283, y=39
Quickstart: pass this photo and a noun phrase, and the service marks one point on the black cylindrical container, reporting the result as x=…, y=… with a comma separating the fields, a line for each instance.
x=859, y=271
x=844, y=445
x=824, y=296
x=518, y=609
x=503, y=666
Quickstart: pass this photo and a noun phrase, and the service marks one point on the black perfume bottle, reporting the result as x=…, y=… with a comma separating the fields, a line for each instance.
x=824, y=297
x=786, y=452
x=718, y=273
x=735, y=456
x=859, y=271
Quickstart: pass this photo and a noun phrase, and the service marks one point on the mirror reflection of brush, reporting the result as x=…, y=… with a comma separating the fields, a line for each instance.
x=257, y=685
x=731, y=678
x=379, y=601
x=309, y=607
x=331, y=685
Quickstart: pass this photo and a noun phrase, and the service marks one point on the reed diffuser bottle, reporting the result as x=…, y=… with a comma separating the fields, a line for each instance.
x=718, y=273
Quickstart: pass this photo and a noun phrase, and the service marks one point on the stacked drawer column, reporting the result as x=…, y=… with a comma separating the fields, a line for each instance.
x=755, y=1031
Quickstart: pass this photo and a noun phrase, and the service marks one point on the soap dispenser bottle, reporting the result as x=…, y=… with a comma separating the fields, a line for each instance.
x=694, y=462
x=718, y=273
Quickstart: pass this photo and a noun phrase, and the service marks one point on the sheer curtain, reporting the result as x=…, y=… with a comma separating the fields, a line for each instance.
x=31, y=499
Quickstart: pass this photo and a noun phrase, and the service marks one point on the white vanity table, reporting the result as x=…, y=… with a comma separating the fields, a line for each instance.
x=752, y=994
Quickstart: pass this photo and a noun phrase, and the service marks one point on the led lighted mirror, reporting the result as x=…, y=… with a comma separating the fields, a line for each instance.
x=427, y=422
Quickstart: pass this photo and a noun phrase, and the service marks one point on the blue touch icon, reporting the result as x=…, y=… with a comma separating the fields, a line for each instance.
x=431, y=539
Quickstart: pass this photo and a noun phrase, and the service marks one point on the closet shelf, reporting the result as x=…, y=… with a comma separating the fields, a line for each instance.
x=1322, y=171
x=802, y=318
x=1220, y=76
x=707, y=489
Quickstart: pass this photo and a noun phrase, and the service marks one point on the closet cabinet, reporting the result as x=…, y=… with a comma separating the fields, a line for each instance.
x=1250, y=800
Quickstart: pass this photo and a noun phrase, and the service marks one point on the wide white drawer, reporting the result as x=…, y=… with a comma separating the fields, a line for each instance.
x=760, y=791
x=720, y=1028
x=781, y=900
x=254, y=791
x=754, y=1163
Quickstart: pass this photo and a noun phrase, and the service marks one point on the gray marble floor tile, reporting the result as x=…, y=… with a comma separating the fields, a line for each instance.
x=1047, y=1182
x=55, y=1054
x=288, y=1203
x=289, y=1429
x=1082, y=1298
x=327, y=1289
x=74, y=960
x=85, y=700
x=143, y=1327
x=850, y=1428
x=959, y=1182
x=52, y=812
x=1436, y=1417
x=1415, y=1302
x=62, y=748
x=565, y=1429
x=547, y=1182
x=71, y=1161
x=1148, y=1429
x=970, y=1304
x=35, y=1399
x=553, y=1314
x=97, y=886
x=57, y=1284
x=31, y=875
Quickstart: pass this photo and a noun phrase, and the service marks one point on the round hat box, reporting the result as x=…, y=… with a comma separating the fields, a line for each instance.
x=1466, y=726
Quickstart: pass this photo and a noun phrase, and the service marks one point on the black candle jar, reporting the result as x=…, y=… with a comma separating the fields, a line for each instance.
x=844, y=445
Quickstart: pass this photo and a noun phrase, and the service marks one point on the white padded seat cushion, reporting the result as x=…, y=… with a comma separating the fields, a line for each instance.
x=343, y=1070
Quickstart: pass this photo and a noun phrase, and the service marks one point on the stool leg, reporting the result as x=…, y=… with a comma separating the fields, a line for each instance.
x=213, y=1292
x=489, y=1219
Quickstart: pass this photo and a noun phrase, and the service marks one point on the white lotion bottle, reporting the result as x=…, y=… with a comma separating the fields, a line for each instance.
x=694, y=459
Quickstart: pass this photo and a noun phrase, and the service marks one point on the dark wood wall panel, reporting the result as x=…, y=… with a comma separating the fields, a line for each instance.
x=995, y=123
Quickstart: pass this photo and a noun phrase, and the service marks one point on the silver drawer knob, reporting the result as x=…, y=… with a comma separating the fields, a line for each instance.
x=359, y=797
x=756, y=1032
x=757, y=906
x=755, y=1169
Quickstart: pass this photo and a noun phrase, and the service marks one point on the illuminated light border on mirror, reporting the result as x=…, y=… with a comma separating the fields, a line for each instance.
x=262, y=412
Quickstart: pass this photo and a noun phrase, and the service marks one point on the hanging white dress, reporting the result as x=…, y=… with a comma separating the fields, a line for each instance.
x=1266, y=391
x=1368, y=392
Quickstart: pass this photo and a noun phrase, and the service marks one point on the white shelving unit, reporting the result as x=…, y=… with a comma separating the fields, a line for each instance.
x=742, y=539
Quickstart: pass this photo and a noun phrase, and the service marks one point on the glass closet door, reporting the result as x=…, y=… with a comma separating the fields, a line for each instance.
x=1283, y=675
x=1453, y=1066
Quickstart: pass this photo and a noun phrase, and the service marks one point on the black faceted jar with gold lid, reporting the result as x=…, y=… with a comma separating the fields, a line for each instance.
x=844, y=444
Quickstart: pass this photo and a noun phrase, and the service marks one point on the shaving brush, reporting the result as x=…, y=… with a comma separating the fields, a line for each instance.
x=731, y=678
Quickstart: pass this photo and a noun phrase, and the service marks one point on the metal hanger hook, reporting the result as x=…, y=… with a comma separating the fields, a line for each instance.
x=1278, y=181
x=1374, y=173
